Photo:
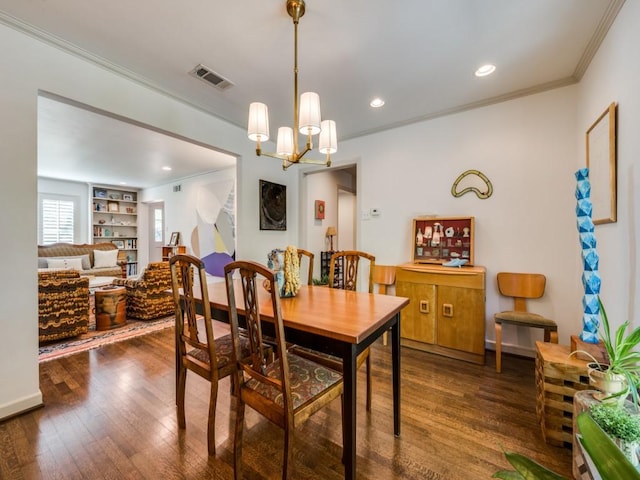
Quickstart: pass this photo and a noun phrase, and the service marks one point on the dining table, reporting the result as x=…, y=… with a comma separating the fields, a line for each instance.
x=337, y=322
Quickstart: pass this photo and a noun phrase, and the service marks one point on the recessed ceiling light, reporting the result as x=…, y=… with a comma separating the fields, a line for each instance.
x=123, y=183
x=168, y=169
x=376, y=102
x=485, y=70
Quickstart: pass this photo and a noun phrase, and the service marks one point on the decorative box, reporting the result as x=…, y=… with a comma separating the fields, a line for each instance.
x=442, y=239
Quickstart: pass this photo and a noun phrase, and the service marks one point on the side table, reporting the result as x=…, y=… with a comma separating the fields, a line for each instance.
x=111, y=307
x=558, y=377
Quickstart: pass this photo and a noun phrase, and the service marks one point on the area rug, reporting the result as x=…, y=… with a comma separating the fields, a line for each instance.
x=94, y=339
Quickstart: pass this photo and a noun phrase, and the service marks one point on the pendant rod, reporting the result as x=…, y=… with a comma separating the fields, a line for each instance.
x=295, y=84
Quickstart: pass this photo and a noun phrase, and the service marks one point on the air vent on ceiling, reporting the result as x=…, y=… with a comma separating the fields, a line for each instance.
x=207, y=75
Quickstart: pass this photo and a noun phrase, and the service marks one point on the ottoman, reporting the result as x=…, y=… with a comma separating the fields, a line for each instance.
x=111, y=307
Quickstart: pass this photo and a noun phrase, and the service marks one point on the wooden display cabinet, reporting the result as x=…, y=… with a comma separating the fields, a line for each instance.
x=169, y=251
x=442, y=239
x=446, y=314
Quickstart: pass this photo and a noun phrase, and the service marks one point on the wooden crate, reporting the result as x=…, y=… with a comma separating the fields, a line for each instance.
x=558, y=377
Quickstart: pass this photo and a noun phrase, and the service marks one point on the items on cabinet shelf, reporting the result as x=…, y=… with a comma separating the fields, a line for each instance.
x=169, y=251
x=442, y=239
x=114, y=219
x=446, y=312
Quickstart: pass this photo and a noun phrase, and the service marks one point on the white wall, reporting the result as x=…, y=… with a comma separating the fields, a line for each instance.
x=527, y=148
x=613, y=76
x=74, y=78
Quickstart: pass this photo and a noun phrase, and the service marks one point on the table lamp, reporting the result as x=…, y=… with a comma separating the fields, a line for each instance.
x=331, y=232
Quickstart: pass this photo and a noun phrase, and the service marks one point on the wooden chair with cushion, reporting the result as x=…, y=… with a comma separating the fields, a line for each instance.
x=310, y=256
x=384, y=276
x=522, y=286
x=287, y=390
x=196, y=348
x=348, y=261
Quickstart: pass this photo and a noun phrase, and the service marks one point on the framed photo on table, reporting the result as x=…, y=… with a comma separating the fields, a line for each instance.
x=601, y=162
x=175, y=239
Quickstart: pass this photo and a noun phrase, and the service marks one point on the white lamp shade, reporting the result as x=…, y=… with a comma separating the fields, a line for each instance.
x=309, y=113
x=258, y=128
x=328, y=137
x=284, y=145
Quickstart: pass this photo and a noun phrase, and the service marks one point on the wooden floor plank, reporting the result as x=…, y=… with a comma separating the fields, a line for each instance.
x=110, y=413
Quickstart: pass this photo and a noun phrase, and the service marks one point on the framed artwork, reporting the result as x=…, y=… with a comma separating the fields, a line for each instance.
x=175, y=239
x=601, y=162
x=443, y=239
x=118, y=243
x=273, y=206
x=127, y=197
x=112, y=207
x=319, y=209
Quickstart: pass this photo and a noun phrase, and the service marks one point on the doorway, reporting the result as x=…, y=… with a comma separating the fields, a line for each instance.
x=156, y=231
x=336, y=186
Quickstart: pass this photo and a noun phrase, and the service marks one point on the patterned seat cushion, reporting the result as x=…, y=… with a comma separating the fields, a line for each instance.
x=224, y=351
x=307, y=379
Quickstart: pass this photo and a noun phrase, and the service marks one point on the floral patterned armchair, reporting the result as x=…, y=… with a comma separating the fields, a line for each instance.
x=149, y=297
x=63, y=304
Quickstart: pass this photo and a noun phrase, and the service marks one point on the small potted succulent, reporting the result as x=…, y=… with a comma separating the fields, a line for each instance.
x=621, y=425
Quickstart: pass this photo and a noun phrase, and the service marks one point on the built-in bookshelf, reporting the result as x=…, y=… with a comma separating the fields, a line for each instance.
x=114, y=217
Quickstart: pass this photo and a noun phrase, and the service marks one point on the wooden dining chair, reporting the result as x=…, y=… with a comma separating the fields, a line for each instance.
x=522, y=286
x=310, y=256
x=287, y=390
x=343, y=271
x=384, y=276
x=196, y=348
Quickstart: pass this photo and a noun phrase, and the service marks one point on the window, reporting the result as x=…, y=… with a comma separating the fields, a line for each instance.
x=57, y=219
x=158, y=225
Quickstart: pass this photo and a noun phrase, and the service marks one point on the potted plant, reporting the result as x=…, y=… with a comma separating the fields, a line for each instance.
x=605, y=455
x=620, y=424
x=621, y=375
x=324, y=280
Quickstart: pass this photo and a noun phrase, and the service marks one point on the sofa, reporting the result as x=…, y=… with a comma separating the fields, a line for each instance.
x=149, y=296
x=82, y=257
x=63, y=304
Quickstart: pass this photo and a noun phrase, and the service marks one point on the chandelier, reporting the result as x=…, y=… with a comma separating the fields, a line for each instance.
x=306, y=121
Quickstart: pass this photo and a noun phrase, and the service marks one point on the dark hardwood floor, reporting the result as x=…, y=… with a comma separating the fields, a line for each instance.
x=110, y=413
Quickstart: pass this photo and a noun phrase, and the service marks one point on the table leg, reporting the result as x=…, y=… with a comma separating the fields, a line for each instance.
x=395, y=354
x=349, y=412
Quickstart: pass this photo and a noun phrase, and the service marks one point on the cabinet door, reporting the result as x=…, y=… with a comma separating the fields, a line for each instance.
x=461, y=318
x=418, y=320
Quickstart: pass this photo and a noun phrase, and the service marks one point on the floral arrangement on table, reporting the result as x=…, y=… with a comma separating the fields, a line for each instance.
x=286, y=267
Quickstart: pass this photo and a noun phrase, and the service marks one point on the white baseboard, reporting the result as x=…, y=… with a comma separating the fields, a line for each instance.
x=513, y=349
x=21, y=405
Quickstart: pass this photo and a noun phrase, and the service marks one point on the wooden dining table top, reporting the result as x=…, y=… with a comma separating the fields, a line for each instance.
x=346, y=316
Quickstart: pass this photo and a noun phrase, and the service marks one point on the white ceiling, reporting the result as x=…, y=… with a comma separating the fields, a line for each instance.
x=419, y=55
